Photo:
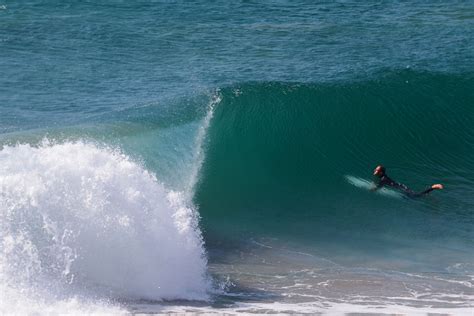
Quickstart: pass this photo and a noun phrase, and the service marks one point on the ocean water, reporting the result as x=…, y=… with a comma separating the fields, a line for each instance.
x=165, y=156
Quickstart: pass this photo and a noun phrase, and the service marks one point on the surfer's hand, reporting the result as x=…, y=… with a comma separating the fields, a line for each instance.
x=437, y=187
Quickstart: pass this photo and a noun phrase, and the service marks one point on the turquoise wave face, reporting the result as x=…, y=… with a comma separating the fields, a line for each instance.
x=281, y=159
x=278, y=156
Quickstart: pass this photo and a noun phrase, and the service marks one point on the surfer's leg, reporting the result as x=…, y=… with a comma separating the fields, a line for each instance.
x=422, y=192
x=432, y=188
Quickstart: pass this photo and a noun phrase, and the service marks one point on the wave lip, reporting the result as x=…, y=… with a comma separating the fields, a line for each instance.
x=78, y=219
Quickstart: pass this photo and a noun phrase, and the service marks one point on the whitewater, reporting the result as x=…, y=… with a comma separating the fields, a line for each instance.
x=79, y=220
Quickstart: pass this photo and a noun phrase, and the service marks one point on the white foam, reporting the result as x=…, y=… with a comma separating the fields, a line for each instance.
x=79, y=222
x=320, y=308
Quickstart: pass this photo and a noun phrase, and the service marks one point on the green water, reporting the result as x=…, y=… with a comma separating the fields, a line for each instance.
x=278, y=154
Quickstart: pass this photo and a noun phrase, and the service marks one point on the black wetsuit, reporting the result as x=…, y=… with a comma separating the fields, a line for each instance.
x=385, y=180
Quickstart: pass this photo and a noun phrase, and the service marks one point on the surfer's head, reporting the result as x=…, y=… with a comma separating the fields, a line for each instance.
x=379, y=171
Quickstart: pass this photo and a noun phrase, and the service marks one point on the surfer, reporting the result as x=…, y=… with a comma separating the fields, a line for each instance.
x=384, y=180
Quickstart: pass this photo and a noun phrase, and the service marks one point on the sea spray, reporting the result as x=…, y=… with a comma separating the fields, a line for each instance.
x=198, y=152
x=82, y=220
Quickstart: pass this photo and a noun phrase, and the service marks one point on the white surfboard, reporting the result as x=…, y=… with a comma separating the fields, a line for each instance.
x=369, y=185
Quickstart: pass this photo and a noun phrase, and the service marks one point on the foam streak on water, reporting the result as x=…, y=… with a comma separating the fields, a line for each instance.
x=80, y=222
